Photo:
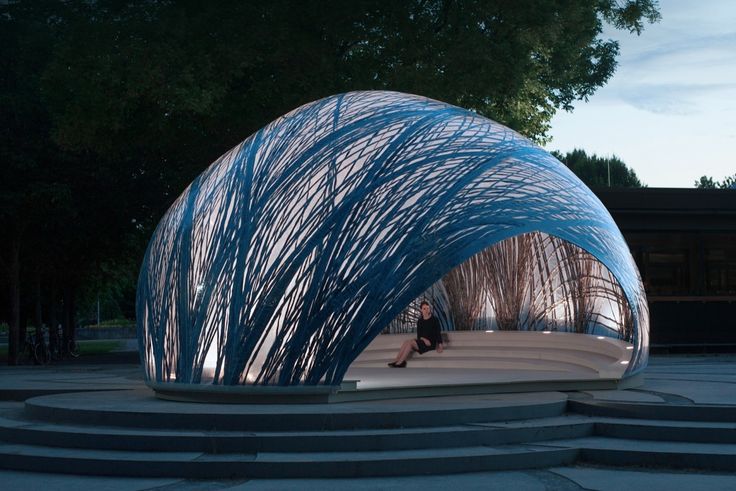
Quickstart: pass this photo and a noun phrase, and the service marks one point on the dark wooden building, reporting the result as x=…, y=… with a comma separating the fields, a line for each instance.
x=684, y=242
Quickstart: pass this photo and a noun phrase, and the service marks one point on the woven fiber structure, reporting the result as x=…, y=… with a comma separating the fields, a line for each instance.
x=529, y=282
x=282, y=261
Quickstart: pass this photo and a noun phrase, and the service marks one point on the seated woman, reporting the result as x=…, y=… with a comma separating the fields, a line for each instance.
x=428, y=337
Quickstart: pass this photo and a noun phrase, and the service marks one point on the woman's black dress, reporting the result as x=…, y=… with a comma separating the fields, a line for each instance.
x=430, y=329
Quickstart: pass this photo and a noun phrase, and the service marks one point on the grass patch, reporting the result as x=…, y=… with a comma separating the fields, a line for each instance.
x=113, y=324
x=97, y=346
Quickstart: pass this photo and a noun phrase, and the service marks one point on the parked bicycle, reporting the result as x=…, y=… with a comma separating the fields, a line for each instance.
x=72, y=348
x=64, y=348
x=35, y=347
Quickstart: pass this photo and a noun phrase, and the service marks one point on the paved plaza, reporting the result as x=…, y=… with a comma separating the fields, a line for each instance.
x=689, y=385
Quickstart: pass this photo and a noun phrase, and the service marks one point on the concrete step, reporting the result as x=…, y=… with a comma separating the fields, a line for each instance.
x=492, y=359
x=513, y=340
x=673, y=431
x=474, y=351
x=21, y=431
x=142, y=410
x=636, y=429
x=188, y=464
x=36, y=446
x=625, y=452
x=15, y=428
x=655, y=411
x=267, y=464
x=564, y=352
x=449, y=361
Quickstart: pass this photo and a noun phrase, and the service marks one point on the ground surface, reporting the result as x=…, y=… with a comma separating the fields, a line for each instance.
x=698, y=380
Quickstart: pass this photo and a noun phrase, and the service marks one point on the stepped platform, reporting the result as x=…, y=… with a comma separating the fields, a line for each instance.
x=473, y=362
x=130, y=433
x=557, y=354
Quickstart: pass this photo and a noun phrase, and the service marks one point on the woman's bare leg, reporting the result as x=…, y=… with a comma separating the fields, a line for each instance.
x=406, y=349
x=401, y=350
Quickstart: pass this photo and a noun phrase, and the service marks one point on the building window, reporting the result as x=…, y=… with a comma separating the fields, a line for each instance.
x=667, y=272
x=720, y=270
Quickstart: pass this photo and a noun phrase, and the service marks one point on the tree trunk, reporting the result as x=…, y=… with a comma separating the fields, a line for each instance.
x=68, y=317
x=38, y=310
x=53, y=320
x=14, y=282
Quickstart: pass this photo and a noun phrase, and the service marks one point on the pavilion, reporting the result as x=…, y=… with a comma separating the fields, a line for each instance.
x=295, y=263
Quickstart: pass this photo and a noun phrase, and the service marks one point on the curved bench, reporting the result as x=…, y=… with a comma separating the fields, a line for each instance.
x=586, y=354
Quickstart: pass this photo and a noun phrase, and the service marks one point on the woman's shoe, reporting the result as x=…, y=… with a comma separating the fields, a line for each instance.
x=392, y=364
x=399, y=365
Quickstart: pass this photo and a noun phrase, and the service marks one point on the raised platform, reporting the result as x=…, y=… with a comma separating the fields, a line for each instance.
x=367, y=384
x=133, y=433
x=583, y=355
x=474, y=362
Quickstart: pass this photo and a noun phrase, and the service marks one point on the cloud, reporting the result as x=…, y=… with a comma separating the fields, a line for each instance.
x=671, y=98
x=678, y=47
x=674, y=71
x=671, y=102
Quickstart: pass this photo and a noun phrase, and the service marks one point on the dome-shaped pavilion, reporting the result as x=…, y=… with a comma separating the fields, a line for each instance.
x=284, y=260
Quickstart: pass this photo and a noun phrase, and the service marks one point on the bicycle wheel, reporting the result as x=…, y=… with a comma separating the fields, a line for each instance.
x=73, y=348
x=41, y=354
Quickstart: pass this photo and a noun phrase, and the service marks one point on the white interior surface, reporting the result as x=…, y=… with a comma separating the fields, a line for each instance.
x=479, y=357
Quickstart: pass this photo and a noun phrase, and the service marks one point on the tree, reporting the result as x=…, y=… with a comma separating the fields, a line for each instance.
x=145, y=73
x=111, y=108
x=706, y=182
x=594, y=171
x=32, y=200
x=61, y=212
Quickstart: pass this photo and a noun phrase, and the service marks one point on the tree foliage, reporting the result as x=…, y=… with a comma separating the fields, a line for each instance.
x=156, y=71
x=594, y=171
x=706, y=182
x=111, y=108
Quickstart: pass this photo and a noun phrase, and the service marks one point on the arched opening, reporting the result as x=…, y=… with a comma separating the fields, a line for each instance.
x=532, y=307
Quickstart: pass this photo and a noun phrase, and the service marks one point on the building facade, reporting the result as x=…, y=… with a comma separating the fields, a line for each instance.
x=684, y=243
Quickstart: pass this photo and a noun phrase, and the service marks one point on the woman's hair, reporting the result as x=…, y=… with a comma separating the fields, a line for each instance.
x=424, y=302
